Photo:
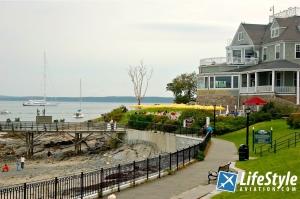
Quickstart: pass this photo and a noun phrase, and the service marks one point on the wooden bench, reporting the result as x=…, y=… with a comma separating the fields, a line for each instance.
x=213, y=175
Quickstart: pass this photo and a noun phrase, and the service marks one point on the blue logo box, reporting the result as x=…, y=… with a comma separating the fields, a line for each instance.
x=226, y=181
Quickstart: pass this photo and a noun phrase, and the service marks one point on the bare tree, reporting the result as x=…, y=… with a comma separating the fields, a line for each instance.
x=140, y=76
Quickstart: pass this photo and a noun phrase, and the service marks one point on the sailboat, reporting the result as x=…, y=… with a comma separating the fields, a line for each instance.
x=79, y=113
x=42, y=102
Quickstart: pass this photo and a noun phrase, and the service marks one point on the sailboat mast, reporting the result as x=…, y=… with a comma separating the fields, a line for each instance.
x=44, y=76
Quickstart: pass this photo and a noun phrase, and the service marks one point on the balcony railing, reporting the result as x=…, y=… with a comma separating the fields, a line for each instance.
x=268, y=89
x=212, y=61
x=285, y=89
x=243, y=61
x=263, y=89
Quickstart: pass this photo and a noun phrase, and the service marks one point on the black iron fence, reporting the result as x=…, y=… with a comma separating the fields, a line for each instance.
x=284, y=142
x=99, y=181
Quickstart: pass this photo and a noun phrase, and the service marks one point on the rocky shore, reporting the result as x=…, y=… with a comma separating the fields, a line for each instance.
x=65, y=162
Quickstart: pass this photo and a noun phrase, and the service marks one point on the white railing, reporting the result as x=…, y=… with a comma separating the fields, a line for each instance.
x=292, y=11
x=243, y=90
x=243, y=61
x=212, y=61
x=285, y=89
x=263, y=89
x=251, y=89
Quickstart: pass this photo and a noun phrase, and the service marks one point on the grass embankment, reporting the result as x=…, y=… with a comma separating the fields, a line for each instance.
x=283, y=161
x=280, y=128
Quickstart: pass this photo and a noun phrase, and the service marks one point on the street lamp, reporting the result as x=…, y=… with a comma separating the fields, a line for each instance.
x=247, y=110
x=215, y=118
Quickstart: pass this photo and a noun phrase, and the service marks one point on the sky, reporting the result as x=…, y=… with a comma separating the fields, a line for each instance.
x=97, y=41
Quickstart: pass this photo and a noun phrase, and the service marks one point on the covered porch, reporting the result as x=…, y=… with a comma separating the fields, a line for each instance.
x=280, y=82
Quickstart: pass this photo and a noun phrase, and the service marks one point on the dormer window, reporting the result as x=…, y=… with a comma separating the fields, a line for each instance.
x=274, y=32
x=241, y=36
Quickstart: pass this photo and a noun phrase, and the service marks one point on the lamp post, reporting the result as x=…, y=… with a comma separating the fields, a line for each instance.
x=247, y=110
x=214, y=118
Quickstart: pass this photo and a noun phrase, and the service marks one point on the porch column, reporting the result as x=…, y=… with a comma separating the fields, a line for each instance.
x=298, y=89
x=273, y=81
x=247, y=82
x=255, y=80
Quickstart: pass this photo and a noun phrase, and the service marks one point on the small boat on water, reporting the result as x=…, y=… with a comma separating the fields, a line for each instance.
x=4, y=112
x=42, y=102
x=79, y=113
x=38, y=103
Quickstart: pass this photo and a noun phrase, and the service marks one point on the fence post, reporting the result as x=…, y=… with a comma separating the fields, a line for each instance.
x=81, y=185
x=177, y=159
x=275, y=145
x=183, y=156
x=133, y=173
x=147, y=168
x=24, y=190
x=170, y=166
x=159, y=160
x=101, y=182
x=189, y=153
x=55, y=188
x=119, y=176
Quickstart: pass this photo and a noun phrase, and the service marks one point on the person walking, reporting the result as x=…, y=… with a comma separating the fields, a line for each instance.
x=18, y=163
x=22, y=162
x=50, y=156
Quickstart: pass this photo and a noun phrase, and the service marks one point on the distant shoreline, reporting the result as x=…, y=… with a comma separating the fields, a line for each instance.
x=116, y=99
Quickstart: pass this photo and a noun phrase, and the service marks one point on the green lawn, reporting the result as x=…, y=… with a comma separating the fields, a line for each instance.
x=280, y=128
x=281, y=162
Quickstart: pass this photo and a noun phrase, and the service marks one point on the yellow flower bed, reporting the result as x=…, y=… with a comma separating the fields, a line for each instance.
x=177, y=106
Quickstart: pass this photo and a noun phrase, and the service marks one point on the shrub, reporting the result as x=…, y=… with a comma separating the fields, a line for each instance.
x=229, y=124
x=199, y=117
x=294, y=120
x=116, y=114
x=200, y=155
x=260, y=117
x=140, y=121
x=170, y=125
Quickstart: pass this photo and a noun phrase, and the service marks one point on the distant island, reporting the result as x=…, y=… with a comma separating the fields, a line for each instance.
x=121, y=99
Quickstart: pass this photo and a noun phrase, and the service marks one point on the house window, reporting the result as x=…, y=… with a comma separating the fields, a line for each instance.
x=264, y=54
x=211, y=82
x=235, y=81
x=223, y=82
x=278, y=79
x=277, y=51
x=274, y=32
x=206, y=82
x=297, y=51
x=295, y=78
x=241, y=36
x=244, y=80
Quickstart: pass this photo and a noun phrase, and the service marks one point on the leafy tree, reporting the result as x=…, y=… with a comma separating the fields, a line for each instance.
x=184, y=87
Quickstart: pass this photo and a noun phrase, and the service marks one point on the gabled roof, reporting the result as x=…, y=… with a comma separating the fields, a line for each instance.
x=255, y=32
x=289, y=32
x=261, y=34
x=278, y=64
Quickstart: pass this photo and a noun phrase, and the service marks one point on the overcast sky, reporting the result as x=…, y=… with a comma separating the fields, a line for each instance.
x=98, y=40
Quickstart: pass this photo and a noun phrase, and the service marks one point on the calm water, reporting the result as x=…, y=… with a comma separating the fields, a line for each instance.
x=64, y=110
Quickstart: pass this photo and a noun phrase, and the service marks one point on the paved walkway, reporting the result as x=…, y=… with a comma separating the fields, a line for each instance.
x=190, y=182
